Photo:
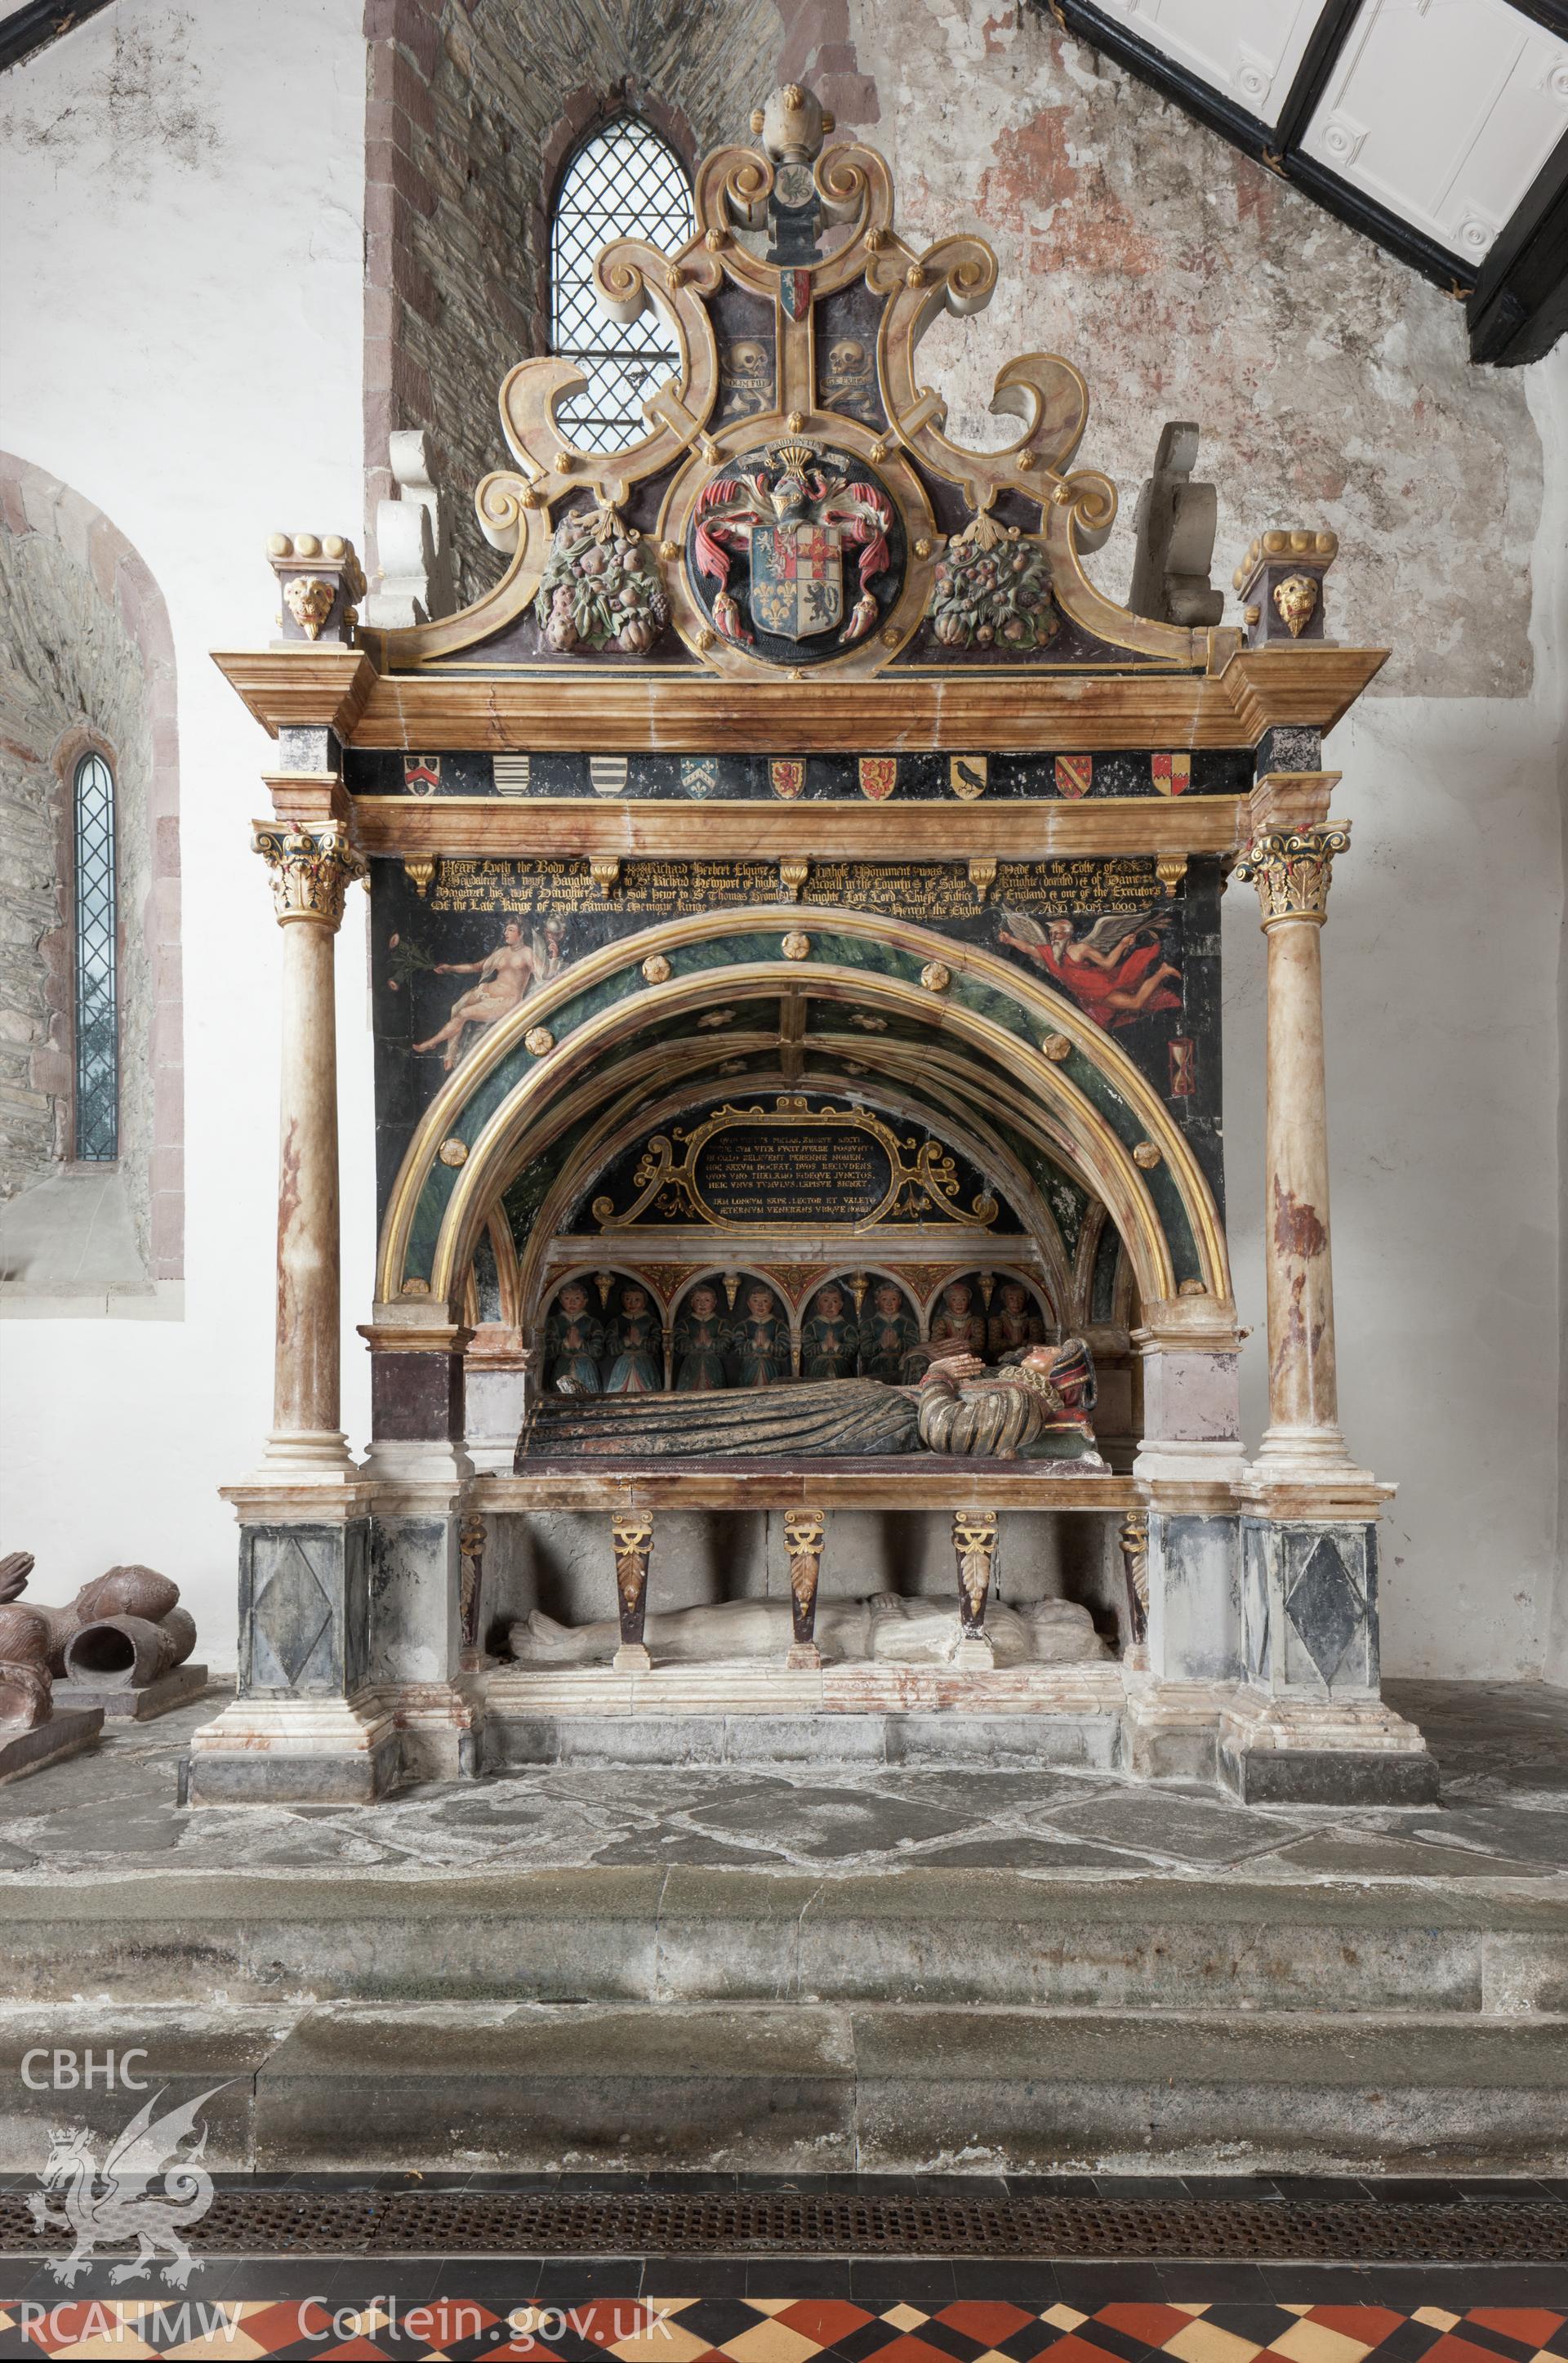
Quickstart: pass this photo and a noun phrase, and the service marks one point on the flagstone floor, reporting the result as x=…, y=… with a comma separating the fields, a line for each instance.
x=1503, y=1750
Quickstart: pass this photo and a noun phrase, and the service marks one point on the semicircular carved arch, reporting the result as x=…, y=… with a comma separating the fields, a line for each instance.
x=1095, y=1097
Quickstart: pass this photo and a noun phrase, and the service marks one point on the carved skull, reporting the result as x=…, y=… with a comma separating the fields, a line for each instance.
x=1297, y=600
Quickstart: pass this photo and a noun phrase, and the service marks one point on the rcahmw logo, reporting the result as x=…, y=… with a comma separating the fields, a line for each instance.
x=145, y=2190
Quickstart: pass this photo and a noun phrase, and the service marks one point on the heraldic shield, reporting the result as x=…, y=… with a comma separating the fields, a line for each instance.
x=771, y=541
x=797, y=579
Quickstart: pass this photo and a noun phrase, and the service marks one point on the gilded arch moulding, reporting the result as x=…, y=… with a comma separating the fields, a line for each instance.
x=486, y=1104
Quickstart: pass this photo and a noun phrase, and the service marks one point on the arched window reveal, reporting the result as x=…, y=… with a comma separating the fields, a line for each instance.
x=623, y=181
x=97, y=1028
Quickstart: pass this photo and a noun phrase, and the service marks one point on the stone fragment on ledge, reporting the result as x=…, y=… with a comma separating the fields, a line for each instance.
x=31, y=1734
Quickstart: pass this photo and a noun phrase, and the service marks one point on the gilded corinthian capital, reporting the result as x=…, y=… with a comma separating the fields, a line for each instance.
x=1291, y=868
x=312, y=869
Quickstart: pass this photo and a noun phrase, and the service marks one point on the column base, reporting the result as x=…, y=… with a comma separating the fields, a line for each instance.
x=1291, y=1751
x=973, y=1650
x=631, y=1658
x=804, y=1657
x=438, y=1730
x=1170, y=1730
x=1306, y=1472
x=307, y=1457
x=288, y=1752
x=419, y=1461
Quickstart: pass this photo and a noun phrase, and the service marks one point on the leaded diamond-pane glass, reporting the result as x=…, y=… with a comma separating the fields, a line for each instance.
x=623, y=183
x=97, y=988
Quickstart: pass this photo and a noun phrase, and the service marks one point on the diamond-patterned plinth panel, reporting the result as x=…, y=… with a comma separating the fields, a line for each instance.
x=775, y=2330
x=292, y=1615
x=1325, y=1606
x=623, y=182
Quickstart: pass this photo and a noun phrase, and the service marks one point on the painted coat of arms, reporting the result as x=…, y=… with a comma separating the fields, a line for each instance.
x=795, y=520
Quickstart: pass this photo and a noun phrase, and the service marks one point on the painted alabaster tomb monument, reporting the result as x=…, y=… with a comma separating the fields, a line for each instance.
x=801, y=1318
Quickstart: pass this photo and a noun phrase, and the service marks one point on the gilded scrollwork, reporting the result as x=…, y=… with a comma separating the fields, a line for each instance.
x=1291, y=870
x=312, y=869
x=866, y=407
x=918, y=1179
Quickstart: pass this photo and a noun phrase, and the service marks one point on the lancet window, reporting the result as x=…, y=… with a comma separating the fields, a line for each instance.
x=622, y=182
x=95, y=965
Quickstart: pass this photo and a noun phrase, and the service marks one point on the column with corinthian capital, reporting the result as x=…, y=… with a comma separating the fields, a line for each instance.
x=1307, y=1724
x=308, y=1721
x=312, y=867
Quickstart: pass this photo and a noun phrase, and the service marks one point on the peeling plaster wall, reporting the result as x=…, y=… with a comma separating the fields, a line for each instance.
x=1187, y=282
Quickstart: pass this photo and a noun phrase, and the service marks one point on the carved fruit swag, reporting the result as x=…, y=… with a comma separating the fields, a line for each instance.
x=600, y=588
x=992, y=589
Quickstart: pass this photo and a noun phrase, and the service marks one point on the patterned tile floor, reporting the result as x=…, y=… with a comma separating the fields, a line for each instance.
x=460, y=2322
x=1503, y=1748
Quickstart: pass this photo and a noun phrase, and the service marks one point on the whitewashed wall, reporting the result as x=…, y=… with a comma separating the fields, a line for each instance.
x=183, y=196
x=1441, y=968
x=180, y=305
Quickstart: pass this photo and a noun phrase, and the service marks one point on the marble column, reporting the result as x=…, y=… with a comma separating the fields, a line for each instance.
x=1307, y=1723
x=306, y=1722
x=1291, y=868
x=311, y=870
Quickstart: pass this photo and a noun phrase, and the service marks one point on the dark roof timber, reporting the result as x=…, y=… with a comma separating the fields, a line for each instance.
x=1516, y=305
x=36, y=23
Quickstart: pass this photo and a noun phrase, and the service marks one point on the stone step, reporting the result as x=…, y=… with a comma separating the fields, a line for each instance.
x=819, y=2089
x=692, y=1933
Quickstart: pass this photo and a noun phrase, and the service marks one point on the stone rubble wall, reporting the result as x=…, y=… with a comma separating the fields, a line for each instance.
x=87, y=660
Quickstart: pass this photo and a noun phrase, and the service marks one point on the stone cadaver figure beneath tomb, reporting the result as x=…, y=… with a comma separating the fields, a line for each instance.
x=1036, y=1409
x=887, y=1630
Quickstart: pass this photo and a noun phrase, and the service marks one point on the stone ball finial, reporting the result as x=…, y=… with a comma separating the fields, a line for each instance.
x=793, y=125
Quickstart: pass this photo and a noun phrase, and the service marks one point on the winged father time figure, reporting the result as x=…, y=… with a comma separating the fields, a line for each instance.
x=1116, y=971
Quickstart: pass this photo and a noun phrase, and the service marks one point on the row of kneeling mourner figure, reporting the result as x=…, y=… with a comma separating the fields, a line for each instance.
x=869, y=1331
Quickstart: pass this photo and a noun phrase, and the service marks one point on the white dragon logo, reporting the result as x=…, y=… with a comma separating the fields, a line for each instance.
x=106, y=2206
